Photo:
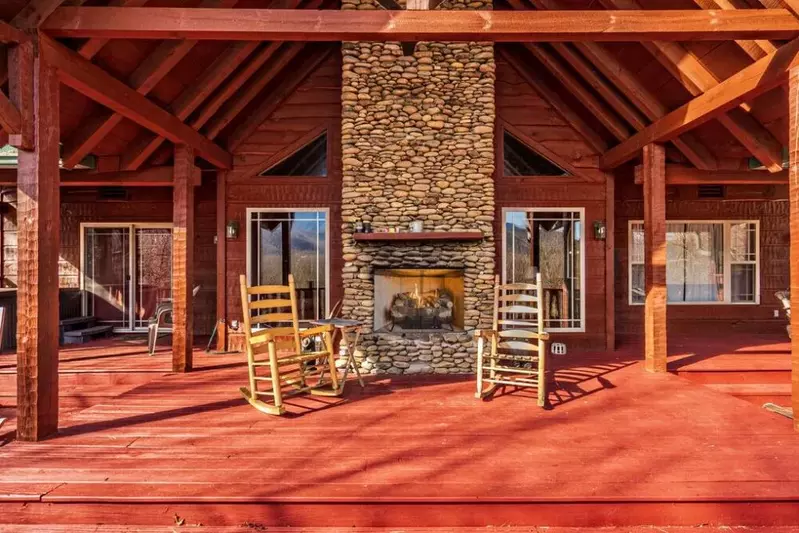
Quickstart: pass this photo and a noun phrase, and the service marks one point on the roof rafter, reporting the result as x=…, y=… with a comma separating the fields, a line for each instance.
x=698, y=79
x=752, y=81
x=94, y=82
x=144, y=79
x=755, y=49
x=35, y=12
x=626, y=81
x=597, y=108
x=10, y=117
x=276, y=98
x=590, y=136
x=380, y=25
x=680, y=175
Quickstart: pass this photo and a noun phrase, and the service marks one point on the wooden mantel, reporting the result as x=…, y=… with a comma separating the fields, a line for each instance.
x=420, y=236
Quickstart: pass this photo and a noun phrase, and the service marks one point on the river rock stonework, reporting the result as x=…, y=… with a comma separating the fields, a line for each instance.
x=418, y=144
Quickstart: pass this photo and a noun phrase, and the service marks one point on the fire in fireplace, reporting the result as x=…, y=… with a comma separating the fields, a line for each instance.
x=418, y=299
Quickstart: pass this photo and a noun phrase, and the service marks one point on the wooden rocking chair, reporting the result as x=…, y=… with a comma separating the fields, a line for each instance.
x=516, y=351
x=285, y=370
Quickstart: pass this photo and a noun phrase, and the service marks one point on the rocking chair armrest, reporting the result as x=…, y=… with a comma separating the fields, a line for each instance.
x=486, y=333
x=317, y=330
x=542, y=336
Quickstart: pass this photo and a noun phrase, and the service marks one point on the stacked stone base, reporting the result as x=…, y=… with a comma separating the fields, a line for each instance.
x=417, y=353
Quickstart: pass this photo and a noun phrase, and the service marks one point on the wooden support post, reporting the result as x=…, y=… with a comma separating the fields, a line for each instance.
x=35, y=89
x=221, y=262
x=654, y=171
x=182, y=259
x=793, y=195
x=610, y=263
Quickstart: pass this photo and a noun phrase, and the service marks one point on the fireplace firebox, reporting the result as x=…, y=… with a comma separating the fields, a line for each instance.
x=418, y=299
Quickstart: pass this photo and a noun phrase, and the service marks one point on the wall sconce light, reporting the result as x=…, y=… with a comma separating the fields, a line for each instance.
x=232, y=229
x=600, y=231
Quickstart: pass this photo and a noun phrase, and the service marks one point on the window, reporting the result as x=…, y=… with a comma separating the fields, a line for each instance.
x=549, y=241
x=283, y=242
x=521, y=160
x=310, y=160
x=706, y=262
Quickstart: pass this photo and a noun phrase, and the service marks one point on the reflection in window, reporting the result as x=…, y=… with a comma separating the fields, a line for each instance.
x=549, y=242
x=521, y=160
x=284, y=243
x=706, y=262
x=310, y=160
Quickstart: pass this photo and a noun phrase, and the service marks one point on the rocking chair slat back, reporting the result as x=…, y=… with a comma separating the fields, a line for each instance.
x=516, y=354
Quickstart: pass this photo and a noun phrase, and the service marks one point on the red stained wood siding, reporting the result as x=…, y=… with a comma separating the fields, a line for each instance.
x=766, y=204
x=522, y=108
x=315, y=104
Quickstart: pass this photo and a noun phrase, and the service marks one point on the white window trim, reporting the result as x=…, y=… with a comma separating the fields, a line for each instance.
x=326, y=210
x=580, y=210
x=727, y=261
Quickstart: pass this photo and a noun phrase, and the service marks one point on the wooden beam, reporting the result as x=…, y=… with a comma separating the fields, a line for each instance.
x=380, y=25
x=682, y=175
x=10, y=118
x=754, y=80
x=792, y=6
x=35, y=12
x=92, y=47
x=10, y=34
x=21, y=87
x=256, y=85
x=655, y=342
x=286, y=88
x=610, y=263
x=182, y=260
x=144, y=79
x=691, y=72
x=793, y=196
x=86, y=78
x=191, y=99
x=618, y=74
x=583, y=95
x=38, y=240
x=149, y=177
x=552, y=97
x=755, y=49
x=221, y=261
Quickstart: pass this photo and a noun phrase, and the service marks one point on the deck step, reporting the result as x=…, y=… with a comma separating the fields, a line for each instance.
x=756, y=393
x=80, y=336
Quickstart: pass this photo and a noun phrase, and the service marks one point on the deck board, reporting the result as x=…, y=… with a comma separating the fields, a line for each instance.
x=617, y=436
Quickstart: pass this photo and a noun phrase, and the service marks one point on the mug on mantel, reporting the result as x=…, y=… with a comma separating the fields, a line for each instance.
x=417, y=226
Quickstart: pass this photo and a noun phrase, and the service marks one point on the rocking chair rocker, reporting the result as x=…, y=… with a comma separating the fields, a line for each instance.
x=286, y=370
x=516, y=351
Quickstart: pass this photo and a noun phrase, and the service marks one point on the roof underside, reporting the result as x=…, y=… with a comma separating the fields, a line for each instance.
x=633, y=84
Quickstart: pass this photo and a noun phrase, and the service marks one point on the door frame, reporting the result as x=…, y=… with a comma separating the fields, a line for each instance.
x=131, y=305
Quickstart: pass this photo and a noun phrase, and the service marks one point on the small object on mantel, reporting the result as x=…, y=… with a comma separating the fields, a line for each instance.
x=393, y=235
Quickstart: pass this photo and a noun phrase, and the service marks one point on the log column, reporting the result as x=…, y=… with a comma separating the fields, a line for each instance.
x=793, y=194
x=182, y=259
x=35, y=91
x=654, y=177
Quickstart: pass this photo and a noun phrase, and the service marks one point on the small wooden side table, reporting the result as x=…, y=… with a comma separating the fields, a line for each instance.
x=350, y=335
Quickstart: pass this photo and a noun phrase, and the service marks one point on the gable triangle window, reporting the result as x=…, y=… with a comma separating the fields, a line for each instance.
x=310, y=160
x=521, y=160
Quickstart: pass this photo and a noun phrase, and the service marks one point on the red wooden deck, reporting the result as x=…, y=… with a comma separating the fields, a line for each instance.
x=621, y=447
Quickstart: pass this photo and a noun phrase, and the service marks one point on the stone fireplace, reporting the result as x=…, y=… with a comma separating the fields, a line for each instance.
x=418, y=145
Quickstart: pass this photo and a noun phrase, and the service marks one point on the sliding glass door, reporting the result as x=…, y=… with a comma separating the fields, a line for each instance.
x=126, y=269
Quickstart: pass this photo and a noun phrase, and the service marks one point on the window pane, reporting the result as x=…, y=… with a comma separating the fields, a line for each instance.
x=292, y=243
x=549, y=243
x=742, y=282
x=637, y=243
x=743, y=245
x=694, y=262
x=637, y=284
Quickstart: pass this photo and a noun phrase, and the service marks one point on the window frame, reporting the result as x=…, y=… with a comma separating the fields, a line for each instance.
x=726, y=253
x=503, y=275
x=256, y=210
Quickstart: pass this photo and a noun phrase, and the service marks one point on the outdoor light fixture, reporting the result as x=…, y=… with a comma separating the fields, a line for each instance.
x=232, y=229
x=600, y=232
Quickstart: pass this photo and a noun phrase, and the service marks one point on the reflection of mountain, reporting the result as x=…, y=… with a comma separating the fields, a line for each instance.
x=303, y=236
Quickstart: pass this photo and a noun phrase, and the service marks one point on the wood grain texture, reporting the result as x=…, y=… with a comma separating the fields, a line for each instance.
x=221, y=261
x=182, y=259
x=793, y=194
x=758, y=78
x=682, y=175
x=381, y=25
x=149, y=177
x=610, y=263
x=20, y=85
x=38, y=211
x=100, y=86
x=655, y=342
